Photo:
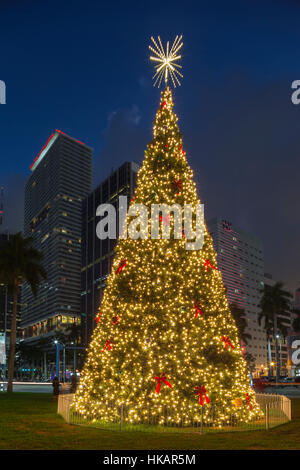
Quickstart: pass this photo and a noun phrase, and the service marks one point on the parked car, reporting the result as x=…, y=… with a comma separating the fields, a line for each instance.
x=282, y=378
x=287, y=379
x=259, y=384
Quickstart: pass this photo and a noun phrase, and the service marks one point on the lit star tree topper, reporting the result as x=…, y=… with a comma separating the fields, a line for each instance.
x=166, y=61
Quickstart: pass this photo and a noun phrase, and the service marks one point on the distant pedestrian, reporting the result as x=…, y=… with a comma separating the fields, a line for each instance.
x=55, y=385
x=73, y=383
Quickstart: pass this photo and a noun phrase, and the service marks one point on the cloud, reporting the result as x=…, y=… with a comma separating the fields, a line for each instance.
x=124, y=140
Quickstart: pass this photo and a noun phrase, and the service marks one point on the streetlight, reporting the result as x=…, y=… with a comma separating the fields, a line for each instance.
x=74, y=358
x=57, y=358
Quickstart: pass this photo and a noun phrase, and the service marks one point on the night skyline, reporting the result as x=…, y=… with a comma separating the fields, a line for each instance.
x=87, y=73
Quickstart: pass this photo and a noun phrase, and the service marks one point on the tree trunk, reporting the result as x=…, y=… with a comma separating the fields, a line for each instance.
x=13, y=334
x=280, y=355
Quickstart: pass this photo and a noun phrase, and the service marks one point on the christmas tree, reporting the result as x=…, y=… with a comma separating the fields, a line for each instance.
x=165, y=337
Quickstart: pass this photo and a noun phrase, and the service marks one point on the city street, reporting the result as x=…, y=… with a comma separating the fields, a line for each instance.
x=29, y=387
x=288, y=391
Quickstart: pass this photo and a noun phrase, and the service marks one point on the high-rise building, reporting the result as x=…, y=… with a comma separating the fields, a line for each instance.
x=241, y=262
x=6, y=311
x=293, y=339
x=5, y=299
x=97, y=255
x=61, y=178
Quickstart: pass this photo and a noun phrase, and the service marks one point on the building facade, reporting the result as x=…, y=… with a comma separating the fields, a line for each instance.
x=293, y=339
x=97, y=255
x=6, y=312
x=241, y=262
x=61, y=178
x=5, y=304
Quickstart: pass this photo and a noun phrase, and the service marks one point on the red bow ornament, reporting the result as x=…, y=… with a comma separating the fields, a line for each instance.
x=107, y=345
x=201, y=392
x=160, y=380
x=121, y=266
x=163, y=105
x=198, y=310
x=182, y=151
x=177, y=186
x=98, y=317
x=227, y=342
x=248, y=400
x=208, y=264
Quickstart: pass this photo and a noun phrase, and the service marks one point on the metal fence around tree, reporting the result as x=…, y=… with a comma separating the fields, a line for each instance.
x=276, y=410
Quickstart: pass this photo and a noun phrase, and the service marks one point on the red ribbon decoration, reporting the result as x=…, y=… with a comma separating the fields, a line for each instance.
x=248, y=400
x=163, y=105
x=122, y=265
x=177, y=185
x=201, y=392
x=208, y=264
x=198, y=310
x=107, y=345
x=98, y=317
x=161, y=379
x=227, y=342
x=182, y=151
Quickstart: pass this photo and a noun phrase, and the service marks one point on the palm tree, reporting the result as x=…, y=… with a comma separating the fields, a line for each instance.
x=251, y=362
x=239, y=316
x=19, y=263
x=274, y=303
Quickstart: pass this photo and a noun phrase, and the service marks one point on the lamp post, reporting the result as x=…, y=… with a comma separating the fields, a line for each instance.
x=74, y=358
x=280, y=356
x=276, y=336
x=57, y=358
x=64, y=363
x=5, y=331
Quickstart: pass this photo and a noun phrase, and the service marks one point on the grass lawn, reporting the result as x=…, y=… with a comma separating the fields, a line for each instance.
x=29, y=421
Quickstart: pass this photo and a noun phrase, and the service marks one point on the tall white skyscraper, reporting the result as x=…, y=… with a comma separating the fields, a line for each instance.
x=241, y=261
x=61, y=178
